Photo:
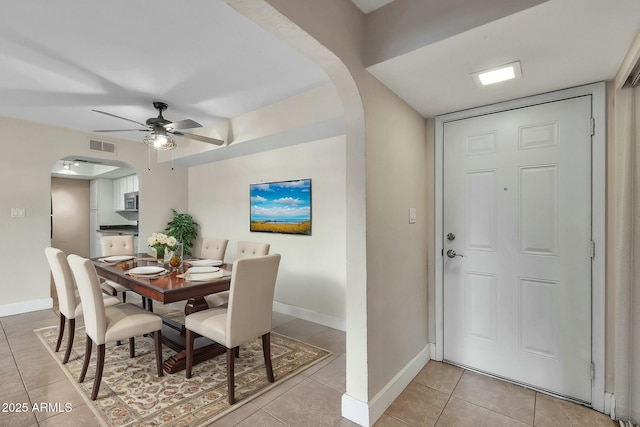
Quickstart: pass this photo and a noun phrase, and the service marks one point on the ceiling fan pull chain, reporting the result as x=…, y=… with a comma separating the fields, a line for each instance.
x=149, y=151
x=171, y=159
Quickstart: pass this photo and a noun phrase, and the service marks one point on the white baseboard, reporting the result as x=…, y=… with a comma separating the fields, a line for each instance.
x=367, y=414
x=25, y=307
x=610, y=405
x=432, y=351
x=311, y=316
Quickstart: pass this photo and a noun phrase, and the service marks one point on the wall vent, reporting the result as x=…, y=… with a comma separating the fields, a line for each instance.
x=107, y=147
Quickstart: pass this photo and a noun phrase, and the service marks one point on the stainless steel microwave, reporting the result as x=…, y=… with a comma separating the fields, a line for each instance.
x=131, y=201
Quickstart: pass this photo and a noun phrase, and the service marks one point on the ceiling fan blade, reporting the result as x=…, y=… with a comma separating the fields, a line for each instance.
x=118, y=117
x=206, y=139
x=183, y=124
x=122, y=130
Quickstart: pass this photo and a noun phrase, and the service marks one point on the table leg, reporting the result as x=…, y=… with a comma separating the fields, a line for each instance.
x=173, y=336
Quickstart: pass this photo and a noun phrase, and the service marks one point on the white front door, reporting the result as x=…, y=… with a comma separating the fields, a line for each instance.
x=517, y=212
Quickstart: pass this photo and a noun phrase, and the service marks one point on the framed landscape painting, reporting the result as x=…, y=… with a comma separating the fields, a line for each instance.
x=281, y=207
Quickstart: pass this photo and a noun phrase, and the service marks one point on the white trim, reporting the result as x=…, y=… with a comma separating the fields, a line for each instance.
x=355, y=410
x=311, y=316
x=432, y=350
x=598, y=200
x=26, y=307
x=366, y=415
x=610, y=405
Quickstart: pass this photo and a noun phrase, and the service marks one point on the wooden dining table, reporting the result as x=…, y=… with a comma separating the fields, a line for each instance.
x=169, y=288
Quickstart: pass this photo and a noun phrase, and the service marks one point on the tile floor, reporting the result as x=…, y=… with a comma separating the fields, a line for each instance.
x=440, y=395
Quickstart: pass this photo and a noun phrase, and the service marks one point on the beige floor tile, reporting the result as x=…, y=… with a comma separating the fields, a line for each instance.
x=552, y=412
x=330, y=339
x=277, y=391
x=238, y=415
x=459, y=413
x=299, y=329
x=21, y=319
x=333, y=375
x=440, y=376
x=346, y=423
x=63, y=393
x=16, y=411
x=278, y=319
x=79, y=416
x=307, y=404
x=387, y=421
x=418, y=405
x=499, y=396
x=260, y=419
x=11, y=383
x=46, y=372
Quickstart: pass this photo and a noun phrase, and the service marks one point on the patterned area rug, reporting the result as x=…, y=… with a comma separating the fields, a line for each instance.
x=131, y=393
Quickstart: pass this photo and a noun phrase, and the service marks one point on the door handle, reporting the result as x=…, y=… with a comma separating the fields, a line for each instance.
x=452, y=254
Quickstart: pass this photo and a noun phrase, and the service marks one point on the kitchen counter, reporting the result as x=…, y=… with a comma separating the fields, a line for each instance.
x=118, y=230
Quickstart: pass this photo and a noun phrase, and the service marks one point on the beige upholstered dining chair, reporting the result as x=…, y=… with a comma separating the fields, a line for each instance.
x=244, y=250
x=247, y=316
x=213, y=248
x=112, y=246
x=106, y=324
x=69, y=303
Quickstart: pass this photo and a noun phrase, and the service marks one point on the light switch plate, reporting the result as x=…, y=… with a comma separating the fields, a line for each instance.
x=18, y=212
x=412, y=215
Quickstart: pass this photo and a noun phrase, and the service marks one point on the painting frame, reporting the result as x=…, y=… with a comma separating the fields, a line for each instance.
x=282, y=207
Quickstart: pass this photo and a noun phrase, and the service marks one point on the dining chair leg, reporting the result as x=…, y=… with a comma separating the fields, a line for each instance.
x=124, y=297
x=230, y=375
x=144, y=303
x=132, y=347
x=237, y=352
x=99, y=369
x=189, y=352
x=266, y=350
x=72, y=333
x=157, y=336
x=63, y=320
x=87, y=358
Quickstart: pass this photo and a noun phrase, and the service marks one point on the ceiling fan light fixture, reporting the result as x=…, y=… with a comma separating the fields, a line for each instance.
x=160, y=142
x=498, y=74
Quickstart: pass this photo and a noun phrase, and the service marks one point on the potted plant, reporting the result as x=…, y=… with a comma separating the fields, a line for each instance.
x=184, y=229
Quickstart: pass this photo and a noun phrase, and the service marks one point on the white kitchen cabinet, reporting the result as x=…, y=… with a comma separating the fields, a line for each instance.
x=102, y=211
x=136, y=183
x=118, y=202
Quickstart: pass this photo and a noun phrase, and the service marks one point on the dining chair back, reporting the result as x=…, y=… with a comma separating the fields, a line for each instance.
x=112, y=246
x=247, y=316
x=251, y=249
x=117, y=245
x=106, y=324
x=244, y=250
x=213, y=248
x=69, y=304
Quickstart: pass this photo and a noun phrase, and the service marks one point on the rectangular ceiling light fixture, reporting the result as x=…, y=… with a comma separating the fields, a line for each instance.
x=498, y=74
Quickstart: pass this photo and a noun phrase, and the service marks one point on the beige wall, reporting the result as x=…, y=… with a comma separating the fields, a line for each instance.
x=26, y=178
x=70, y=199
x=312, y=273
x=386, y=333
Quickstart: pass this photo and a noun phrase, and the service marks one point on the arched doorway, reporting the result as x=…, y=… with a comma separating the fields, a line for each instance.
x=87, y=196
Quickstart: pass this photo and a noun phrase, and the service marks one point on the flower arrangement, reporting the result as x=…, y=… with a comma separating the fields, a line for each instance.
x=160, y=242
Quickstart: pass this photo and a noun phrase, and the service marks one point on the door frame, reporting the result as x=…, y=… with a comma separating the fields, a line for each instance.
x=598, y=207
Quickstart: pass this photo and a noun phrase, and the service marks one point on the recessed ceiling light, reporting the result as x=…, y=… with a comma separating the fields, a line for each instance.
x=498, y=74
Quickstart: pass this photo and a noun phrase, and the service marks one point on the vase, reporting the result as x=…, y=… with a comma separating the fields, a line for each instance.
x=160, y=256
x=175, y=260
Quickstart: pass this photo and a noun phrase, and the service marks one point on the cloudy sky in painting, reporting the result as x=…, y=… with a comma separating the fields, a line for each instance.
x=283, y=201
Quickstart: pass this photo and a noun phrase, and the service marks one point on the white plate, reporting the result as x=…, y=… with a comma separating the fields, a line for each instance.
x=203, y=277
x=147, y=269
x=118, y=258
x=202, y=270
x=205, y=262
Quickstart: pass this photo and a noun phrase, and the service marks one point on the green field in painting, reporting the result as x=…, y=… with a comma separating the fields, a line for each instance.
x=302, y=228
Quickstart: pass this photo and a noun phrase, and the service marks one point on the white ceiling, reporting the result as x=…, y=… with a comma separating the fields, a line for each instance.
x=560, y=43
x=59, y=60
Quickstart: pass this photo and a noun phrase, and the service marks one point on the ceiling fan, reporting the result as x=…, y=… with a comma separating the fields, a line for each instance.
x=161, y=129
